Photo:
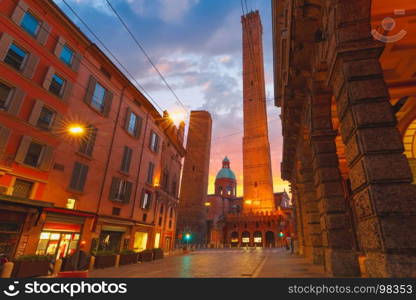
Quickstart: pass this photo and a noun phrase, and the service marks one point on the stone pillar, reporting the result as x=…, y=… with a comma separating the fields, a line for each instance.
x=337, y=237
x=384, y=199
x=313, y=244
x=299, y=221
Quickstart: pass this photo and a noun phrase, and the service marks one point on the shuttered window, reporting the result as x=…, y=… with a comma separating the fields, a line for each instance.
x=79, y=177
x=33, y=155
x=126, y=161
x=154, y=142
x=87, y=144
x=57, y=85
x=16, y=57
x=133, y=123
x=67, y=54
x=98, y=97
x=146, y=202
x=5, y=96
x=120, y=190
x=150, y=173
x=30, y=24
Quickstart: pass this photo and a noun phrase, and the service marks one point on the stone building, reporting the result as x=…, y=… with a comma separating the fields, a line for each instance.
x=194, y=185
x=344, y=80
x=229, y=225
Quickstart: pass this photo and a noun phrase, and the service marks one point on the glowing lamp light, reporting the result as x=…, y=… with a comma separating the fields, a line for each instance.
x=281, y=234
x=83, y=243
x=248, y=202
x=76, y=129
x=207, y=203
x=187, y=236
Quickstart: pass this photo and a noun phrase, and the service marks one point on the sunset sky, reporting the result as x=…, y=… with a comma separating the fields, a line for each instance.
x=196, y=44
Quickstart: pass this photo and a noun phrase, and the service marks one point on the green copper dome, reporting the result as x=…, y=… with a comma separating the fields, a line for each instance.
x=226, y=172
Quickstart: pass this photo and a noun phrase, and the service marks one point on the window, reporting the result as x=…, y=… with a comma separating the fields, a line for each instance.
x=15, y=57
x=144, y=218
x=70, y=203
x=150, y=172
x=67, y=54
x=5, y=95
x=126, y=161
x=98, y=98
x=146, y=200
x=120, y=190
x=116, y=211
x=22, y=188
x=134, y=123
x=46, y=117
x=161, y=209
x=165, y=180
x=170, y=224
x=87, y=144
x=57, y=85
x=171, y=212
x=79, y=176
x=33, y=154
x=30, y=24
x=154, y=142
x=160, y=221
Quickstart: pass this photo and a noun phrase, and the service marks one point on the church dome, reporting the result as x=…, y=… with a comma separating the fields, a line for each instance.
x=226, y=172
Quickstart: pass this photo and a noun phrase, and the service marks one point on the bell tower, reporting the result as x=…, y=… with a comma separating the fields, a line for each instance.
x=258, y=182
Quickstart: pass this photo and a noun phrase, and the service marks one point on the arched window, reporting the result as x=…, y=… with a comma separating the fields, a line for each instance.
x=409, y=142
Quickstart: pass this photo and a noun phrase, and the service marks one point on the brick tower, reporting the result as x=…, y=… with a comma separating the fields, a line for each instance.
x=258, y=183
x=194, y=186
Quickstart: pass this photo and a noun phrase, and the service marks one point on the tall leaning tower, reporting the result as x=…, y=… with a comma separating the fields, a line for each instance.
x=258, y=182
x=194, y=186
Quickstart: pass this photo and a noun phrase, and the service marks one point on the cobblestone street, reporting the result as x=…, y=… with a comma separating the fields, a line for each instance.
x=220, y=263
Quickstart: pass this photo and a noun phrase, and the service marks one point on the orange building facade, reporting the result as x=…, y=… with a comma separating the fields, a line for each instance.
x=111, y=183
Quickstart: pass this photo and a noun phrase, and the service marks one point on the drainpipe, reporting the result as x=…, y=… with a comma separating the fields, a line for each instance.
x=140, y=165
x=107, y=164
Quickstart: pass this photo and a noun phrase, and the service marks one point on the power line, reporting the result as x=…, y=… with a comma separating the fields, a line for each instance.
x=146, y=55
x=111, y=53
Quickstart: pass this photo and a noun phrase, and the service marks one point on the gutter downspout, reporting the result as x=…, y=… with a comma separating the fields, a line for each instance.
x=109, y=157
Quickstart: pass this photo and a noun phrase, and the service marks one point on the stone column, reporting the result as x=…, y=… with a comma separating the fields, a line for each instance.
x=313, y=244
x=337, y=236
x=380, y=176
x=299, y=221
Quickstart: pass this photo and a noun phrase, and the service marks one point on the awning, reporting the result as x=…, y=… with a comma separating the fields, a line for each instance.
x=25, y=201
x=115, y=221
x=66, y=211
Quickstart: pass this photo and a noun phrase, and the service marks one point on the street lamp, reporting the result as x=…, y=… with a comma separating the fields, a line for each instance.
x=76, y=129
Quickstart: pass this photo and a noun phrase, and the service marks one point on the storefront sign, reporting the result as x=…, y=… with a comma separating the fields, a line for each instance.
x=257, y=239
x=246, y=240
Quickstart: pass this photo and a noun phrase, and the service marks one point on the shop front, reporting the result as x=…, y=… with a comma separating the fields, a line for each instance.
x=61, y=233
x=114, y=235
x=17, y=217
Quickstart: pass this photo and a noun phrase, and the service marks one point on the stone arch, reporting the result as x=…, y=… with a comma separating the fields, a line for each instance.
x=372, y=142
x=258, y=239
x=270, y=239
x=245, y=238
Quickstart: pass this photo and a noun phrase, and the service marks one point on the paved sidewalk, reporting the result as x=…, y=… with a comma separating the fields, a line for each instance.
x=219, y=263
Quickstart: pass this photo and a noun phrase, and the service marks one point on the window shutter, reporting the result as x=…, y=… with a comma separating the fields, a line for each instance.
x=75, y=176
x=139, y=122
x=30, y=66
x=76, y=62
x=47, y=157
x=115, y=183
x=83, y=177
x=48, y=78
x=57, y=124
x=23, y=148
x=43, y=34
x=108, y=99
x=4, y=138
x=59, y=45
x=90, y=89
x=5, y=42
x=16, y=101
x=127, y=194
x=67, y=91
x=127, y=120
x=19, y=12
x=156, y=143
x=125, y=166
x=34, y=115
x=129, y=155
x=151, y=139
